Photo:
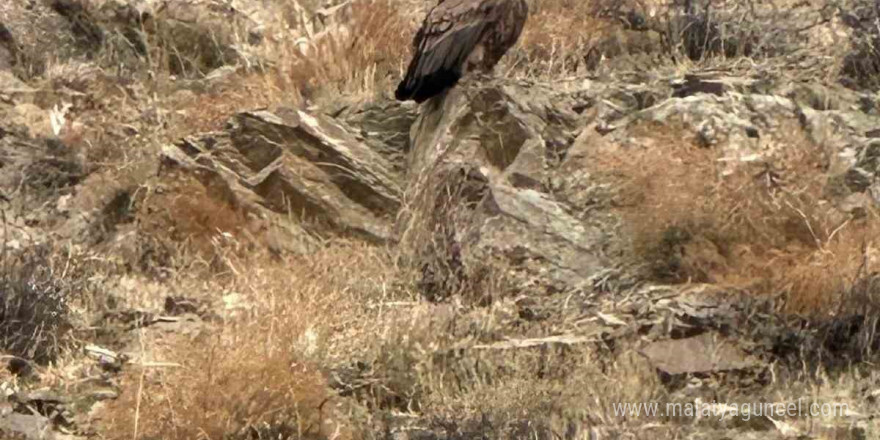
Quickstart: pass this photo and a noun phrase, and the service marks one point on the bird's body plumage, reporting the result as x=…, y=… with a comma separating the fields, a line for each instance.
x=457, y=37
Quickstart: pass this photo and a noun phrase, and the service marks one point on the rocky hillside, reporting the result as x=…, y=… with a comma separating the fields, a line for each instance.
x=218, y=224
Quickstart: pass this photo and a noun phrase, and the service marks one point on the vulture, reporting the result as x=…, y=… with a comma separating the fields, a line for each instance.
x=459, y=37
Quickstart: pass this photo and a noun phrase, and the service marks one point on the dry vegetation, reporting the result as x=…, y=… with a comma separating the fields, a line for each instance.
x=548, y=47
x=363, y=61
x=764, y=226
x=696, y=214
x=260, y=374
x=35, y=314
x=189, y=229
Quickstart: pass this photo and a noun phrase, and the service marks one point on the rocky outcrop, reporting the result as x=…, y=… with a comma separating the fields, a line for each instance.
x=202, y=35
x=383, y=126
x=480, y=166
x=297, y=168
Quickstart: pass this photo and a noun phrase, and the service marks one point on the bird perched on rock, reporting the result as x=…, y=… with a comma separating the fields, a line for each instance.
x=459, y=37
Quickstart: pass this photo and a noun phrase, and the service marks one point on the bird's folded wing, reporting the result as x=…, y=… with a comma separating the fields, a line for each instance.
x=442, y=46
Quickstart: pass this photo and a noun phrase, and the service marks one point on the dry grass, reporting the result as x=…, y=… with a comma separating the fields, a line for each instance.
x=764, y=225
x=259, y=372
x=548, y=45
x=211, y=109
x=361, y=59
x=188, y=226
x=263, y=373
x=422, y=364
x=566, y=37
x=225, y=389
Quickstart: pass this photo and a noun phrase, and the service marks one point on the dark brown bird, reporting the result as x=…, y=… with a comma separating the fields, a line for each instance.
x=458, y=37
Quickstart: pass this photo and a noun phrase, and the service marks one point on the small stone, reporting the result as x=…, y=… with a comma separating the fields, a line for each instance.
x=699, y=354
x=106, y=394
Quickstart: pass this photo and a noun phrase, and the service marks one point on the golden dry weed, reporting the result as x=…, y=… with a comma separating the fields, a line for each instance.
x=765, y=226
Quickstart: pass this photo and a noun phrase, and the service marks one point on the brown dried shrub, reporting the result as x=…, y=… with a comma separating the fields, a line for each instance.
x=187, y=218
x=364, y=58
x=764, y=225
x=262, y=373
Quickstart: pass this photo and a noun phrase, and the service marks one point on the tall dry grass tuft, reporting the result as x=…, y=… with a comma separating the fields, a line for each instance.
x=764, y=225
x=558, y=38
x=430, y=226
x=362, y=58
x=258, y=375
x=224, y=390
